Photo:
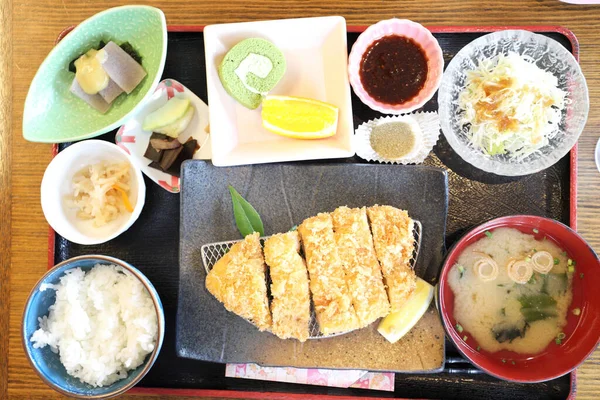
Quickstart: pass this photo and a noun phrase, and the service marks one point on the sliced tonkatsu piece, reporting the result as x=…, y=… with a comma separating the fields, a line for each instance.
x=363, y=273
x=290, y=304
x=392, y=230
x=330, y=293
x=238, y=281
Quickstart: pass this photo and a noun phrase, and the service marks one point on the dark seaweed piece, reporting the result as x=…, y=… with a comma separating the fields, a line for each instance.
x=169, y=157
x=155, y=165
x=152, y=153
x=72, y=68
x=172, y=159
x=507, y=332
x=189, y=148
x=128, y=48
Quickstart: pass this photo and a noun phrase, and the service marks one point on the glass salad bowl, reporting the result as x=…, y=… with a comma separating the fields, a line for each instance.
x=547, y=54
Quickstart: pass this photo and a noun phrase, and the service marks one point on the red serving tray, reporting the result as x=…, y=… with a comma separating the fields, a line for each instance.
x=304, y=396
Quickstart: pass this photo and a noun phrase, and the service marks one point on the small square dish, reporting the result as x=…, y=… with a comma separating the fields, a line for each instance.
x=134, y=140
x=316, y=55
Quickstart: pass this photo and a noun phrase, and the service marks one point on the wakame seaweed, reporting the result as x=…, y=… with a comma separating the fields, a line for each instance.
x=538, y=301
x=507, y=333
x=537, y=307
x=555, y=284
x=127, y=48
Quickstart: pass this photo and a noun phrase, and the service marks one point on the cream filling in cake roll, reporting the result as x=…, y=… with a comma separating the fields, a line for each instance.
x=238, y=280
x=290, y=304
x=392, y=230
x=363, y=273
x=330, y=293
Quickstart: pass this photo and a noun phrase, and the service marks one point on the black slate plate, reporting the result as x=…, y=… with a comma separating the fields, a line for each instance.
x=151, y=244
x=284, y=195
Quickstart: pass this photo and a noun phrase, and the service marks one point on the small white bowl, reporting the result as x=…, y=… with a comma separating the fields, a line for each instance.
x=57, y=184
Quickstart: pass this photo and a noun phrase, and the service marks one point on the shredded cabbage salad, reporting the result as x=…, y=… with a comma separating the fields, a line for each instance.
x=510, y=106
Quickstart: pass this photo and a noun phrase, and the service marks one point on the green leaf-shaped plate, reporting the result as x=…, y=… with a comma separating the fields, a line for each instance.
x=52, y=114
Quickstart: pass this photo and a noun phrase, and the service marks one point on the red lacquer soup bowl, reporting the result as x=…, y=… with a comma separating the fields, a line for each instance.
x=582, y=332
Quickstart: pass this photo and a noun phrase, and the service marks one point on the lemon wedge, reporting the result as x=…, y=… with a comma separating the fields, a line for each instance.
x=298, y=117
x=398, y=323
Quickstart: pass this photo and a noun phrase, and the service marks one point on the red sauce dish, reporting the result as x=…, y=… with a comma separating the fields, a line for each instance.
x=582, y=332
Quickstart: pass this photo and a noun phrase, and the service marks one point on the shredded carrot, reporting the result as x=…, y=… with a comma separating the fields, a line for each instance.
x=126, y=201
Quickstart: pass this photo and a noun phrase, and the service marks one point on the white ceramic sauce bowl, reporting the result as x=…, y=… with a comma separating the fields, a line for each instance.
x=57, y=186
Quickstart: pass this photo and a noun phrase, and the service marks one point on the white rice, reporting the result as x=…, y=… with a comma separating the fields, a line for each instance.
x=102, y=324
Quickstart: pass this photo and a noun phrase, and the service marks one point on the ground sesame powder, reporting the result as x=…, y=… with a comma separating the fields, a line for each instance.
x=393, y=140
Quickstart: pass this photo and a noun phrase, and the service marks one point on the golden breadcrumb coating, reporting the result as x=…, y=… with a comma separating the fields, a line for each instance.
x=238, y=281
x=330, y=293
x=394, y=244
x=363, y=274
x=290, y=305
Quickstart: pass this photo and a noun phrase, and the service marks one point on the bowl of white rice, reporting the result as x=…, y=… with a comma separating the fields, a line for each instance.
x=93, y=327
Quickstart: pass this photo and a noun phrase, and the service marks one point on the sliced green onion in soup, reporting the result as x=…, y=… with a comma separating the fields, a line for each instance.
x=542, y=262
x=520, y=271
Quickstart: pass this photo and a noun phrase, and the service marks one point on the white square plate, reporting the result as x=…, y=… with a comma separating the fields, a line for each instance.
x=316, y=55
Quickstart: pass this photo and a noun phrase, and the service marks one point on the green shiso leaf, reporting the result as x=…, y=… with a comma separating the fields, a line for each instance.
x=246, y=218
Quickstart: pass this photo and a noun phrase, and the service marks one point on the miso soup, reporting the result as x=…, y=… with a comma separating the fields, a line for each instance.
x=512, y=291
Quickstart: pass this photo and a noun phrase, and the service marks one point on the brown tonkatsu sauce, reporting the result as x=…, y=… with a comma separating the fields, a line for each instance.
x=393, y=70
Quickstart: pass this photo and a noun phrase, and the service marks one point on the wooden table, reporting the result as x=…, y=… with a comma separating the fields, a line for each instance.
x=35, y=25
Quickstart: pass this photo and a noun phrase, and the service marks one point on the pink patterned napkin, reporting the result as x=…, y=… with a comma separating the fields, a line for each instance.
x=321, y=377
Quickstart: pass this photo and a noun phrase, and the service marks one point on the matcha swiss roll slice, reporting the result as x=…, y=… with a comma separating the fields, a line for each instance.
x=250, y=70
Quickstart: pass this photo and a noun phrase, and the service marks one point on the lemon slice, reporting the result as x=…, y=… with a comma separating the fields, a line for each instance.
x=398, y=323
x=299, y=118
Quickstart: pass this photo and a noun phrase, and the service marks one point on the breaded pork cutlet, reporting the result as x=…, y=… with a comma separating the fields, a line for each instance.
x=238, y=281
x=290, y=305
x=363, y=274
x=331, y=297
x=394, y=244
